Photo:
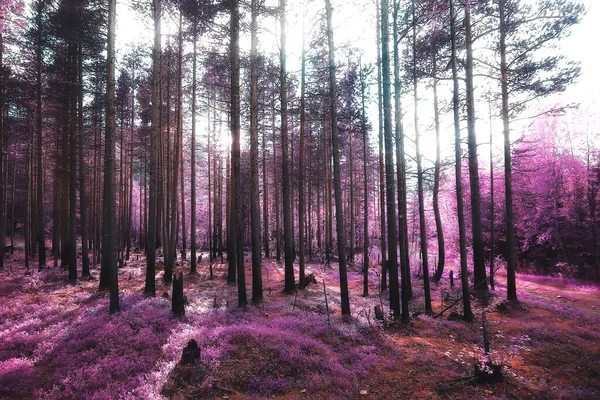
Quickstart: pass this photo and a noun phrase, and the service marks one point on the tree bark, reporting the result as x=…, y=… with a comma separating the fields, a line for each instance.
x=392, y=237
x=382, y=203
x=150, y=286
x=108, y=218
x=511, y=287
x=236, y=249
x=257, y=292
x=480, y=279
x=467, y=313
x=290, y=283
x=339, y=211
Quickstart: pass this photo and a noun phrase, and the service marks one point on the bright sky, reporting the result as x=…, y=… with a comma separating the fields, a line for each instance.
x=354, y=23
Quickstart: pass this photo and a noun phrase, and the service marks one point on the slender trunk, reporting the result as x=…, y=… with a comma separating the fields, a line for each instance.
x=339, y=211
x=420, y=190
x=392, y=260
x=301, y=205
x=85, y=260
x=511, y=286
x=236, y=249
x=492, y=208
x=150, y=286
x=40, y=174
x=480, y=279
x=108, y=218
x=363, y=121
x=265, y=195
x=193, y=260
x=276, y=187
x=467, y=313
x=290, y=283
x=257, y=292
x=381, y=163
x=436, y=184
x=401, y=175
x=72, y=237
x=2, y=186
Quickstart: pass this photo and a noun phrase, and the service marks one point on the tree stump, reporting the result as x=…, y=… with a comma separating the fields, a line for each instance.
x=378, y=313
x=178, y=306
x=190, y=354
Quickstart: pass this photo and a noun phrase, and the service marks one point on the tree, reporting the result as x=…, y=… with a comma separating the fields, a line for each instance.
x=150, y=287
x=339, y=211
x=235, y=252
x=392, y=260
x=479, y=274
x=257, y=293
x=301, y=201
x=523, y=74
x=422, y=227
x=467, y=313
x=290, y=284
x=109, y=261
x=401, y=171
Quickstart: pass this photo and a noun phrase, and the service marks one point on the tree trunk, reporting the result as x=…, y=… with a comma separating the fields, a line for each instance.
x=290, y=283
x=363, y=121
x=150, y=286
x=40, y=174
x=236, y=250
x=108, y=226
x=511, y=286
x=401, y=176
x=467, y=313
x=392, y=260
x=257, y=292
x=492, y=207
x=479, y=274
x=381, y=164
x=85, y=260
x=436, y=185
x=339, y=211
x=422, y=227
x=193, y=266
x=301, y=205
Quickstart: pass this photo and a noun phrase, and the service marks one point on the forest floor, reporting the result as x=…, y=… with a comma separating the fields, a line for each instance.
x=57, y=340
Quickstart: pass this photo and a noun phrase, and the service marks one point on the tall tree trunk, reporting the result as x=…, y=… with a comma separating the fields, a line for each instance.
x=109, y=261
x=180, y=139
x=2, y=140
x=72, y=237
x=83, y=208
x=381, y=163
x=150, y=286
x=422, y=227
x=436, y=184
x=257, y=292
x=40, y=174
x=339, y=210
x=392, y=260
x=193, y=267
x=401, y=174
x=467, y=313
x=276, y=186
x=511, y=286
x=265, y=195
x=492, y=207
x=290, y=283
x=479, y=274
x=301, y=205
x=236, y=250
x=363, y=121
